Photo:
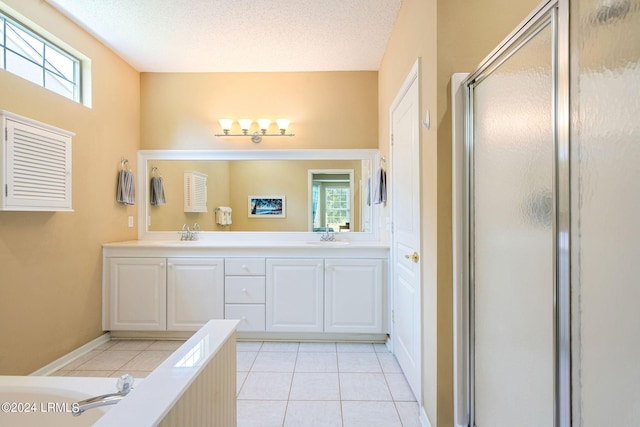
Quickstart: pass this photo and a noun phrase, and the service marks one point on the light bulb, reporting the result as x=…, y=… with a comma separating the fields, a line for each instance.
x=283, y=124
x=264, y=124
x=245, y=124
x=225, y=124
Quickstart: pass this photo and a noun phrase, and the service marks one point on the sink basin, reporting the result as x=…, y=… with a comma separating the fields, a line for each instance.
x=328, y=243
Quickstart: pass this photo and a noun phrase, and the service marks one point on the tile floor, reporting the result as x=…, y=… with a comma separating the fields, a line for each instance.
x=286, y=383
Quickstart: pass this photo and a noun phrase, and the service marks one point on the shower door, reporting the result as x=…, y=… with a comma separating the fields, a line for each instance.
x=512, y=231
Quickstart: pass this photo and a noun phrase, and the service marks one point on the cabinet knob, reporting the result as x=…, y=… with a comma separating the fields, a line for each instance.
x=244, y=290
x=162, y=264
x=244, y=317
x=244, y=267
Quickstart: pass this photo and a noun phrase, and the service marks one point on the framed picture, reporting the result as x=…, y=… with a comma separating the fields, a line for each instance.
x=267, y=207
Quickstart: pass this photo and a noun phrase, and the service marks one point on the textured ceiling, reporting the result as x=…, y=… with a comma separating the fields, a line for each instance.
x=240, y=35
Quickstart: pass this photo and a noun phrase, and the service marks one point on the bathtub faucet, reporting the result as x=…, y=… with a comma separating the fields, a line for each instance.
x=124, y=385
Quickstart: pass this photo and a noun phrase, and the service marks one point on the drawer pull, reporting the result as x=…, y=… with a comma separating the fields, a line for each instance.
x=244, y=317
x=244, y=290
x=244, y=267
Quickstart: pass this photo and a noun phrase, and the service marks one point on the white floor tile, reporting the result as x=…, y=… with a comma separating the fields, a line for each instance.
x=315, y=386
x=248, y=345
x=409, y=414
x=318, y=347
x=399, y=388
x=359, y=362
x=108, y=360
x=240, y=377
x=352, y=347
x=316, y=362
x=266, y=386
x=313, y=414
x=364, y=387
x=245, y=359
x=275, y=361
x=279, y=346
x=370, y=414
x=381, y=348
x=255, y=413
x=81, y=360
x=389, y=363
x=147, y=360
x=131, y=345
x=165, y=345
x=134, y=374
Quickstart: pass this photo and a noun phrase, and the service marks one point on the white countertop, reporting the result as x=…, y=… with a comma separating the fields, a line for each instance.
x=248, y=244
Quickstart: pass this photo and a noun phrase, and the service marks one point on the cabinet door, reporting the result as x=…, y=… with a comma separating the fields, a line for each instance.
x=195, y=292
x=137, y=294
x=294, y=300
x=354, y=290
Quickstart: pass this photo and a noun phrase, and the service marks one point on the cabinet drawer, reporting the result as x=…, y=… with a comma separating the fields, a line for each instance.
x=244, y=266
x=244, y=289
x=251, y=316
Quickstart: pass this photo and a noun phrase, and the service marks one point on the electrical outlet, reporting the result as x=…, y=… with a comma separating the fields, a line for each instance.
x=130, y=221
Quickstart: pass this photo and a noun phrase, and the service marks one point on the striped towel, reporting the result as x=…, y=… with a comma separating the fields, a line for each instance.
x=126, y=191
x=156, y=195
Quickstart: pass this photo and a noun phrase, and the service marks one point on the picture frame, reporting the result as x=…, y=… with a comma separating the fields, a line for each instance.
x=266, y=206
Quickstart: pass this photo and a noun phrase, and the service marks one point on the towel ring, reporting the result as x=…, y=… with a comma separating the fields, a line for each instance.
x=124, y=162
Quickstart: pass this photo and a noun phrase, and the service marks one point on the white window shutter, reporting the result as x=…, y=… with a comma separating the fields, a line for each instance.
x=195, y=192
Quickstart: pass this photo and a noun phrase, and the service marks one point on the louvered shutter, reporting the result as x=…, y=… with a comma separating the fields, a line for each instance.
x=37, y=166
x=195, y=192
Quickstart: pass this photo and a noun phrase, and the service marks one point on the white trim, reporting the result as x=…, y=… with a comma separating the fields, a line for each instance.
x=424, y=419
x=73, y=355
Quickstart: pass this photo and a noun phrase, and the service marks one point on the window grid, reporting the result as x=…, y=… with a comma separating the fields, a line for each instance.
x=337, y=200
x=19, y=44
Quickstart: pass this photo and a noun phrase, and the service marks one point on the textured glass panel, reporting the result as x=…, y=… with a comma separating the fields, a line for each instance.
x=513, y=288
x=605, y=165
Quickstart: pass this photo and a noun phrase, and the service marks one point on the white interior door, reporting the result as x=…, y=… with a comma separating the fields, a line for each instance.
x=405, y=189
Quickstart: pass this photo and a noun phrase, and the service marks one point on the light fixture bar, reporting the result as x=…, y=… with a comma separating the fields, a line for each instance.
x=256, y=136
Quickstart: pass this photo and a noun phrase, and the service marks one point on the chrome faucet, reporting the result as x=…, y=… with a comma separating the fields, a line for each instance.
x=124, y=386
x=189, y=234
x=327, y=236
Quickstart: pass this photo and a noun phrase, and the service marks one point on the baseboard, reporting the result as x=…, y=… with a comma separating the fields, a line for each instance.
x=424, y=419
x=69, y=357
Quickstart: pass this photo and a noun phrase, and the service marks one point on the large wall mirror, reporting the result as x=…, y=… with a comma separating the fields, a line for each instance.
x=255, y=191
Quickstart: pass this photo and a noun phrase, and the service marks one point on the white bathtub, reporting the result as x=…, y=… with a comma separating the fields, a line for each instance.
x=47, y=401
x=196, y=385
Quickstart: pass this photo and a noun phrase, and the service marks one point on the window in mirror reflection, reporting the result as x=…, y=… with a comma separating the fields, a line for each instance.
x=331, y=200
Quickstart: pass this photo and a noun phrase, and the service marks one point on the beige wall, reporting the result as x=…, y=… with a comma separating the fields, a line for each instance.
x=326, y=109
x=449, y=36
x=50, y=285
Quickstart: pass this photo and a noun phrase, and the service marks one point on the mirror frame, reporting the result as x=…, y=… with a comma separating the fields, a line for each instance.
x=144, y=174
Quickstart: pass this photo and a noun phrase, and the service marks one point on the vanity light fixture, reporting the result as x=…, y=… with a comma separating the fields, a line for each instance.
x=256, y=137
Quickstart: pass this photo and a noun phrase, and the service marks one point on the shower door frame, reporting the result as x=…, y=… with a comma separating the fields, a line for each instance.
x=557, y=11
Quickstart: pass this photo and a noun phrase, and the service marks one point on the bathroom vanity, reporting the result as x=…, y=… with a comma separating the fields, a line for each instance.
x=278, y=290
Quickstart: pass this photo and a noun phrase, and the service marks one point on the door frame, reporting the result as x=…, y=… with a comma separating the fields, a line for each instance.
x=413, y=76
x=462, y=153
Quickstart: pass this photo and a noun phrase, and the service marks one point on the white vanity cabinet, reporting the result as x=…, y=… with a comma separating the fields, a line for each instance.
x=354, y=295
x=244, y=292
x=162, y=294
x=282, y=290
x=137, y=293
x=295, y=295
x=195, y=292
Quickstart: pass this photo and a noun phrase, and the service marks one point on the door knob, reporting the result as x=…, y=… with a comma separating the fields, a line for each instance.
x=413, y=257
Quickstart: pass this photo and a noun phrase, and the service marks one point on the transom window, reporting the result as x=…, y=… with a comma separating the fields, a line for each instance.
x=31, y=57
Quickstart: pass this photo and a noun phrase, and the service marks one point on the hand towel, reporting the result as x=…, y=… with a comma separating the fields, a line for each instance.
x=156, y=195
x=380, y=193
